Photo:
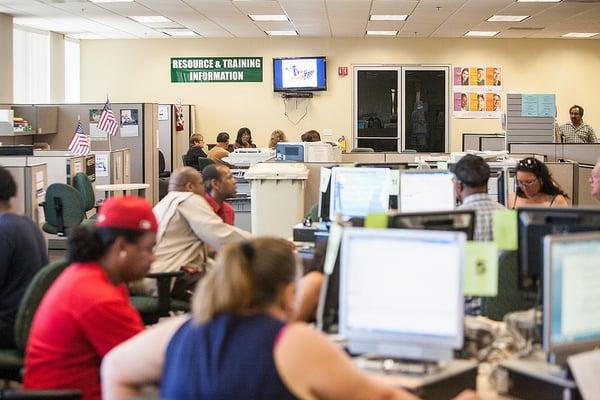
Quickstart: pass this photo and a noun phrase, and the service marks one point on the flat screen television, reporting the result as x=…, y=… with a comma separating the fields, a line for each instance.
x=299, y=74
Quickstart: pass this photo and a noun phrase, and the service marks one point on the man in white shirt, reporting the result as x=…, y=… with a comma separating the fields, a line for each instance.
x=576, y=131
x=187, y=224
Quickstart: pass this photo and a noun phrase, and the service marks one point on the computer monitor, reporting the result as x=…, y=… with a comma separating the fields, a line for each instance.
x=394, y=176
x=457, y=221
x=356, y=192
x=496, y=187
x=401, y=292
x=571, y=295
x=427, y=191
x=534, y=224
x=328, y=306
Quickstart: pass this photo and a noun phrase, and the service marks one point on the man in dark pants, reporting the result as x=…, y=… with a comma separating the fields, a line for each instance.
x=22, y=253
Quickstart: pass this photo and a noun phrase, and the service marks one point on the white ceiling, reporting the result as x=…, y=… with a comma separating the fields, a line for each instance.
x=310, y=18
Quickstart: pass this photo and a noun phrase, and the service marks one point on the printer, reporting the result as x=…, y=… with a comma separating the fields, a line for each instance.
x=246, y=157
x=308, y=152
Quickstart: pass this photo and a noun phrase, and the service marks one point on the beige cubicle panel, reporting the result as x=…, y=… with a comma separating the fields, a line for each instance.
x=150, y=166
x=363, y=157
x=126, y=166
x=401, y=157
x=585, y=195
x=311, y=189
x=566, y=175
x=32, y=181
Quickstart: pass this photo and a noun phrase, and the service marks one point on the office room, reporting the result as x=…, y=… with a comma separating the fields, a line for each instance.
x=284, y=178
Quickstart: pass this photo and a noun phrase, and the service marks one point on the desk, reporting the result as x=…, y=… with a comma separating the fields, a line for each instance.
x=123, y=188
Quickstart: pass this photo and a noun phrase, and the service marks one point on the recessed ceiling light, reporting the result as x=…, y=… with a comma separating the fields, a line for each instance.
x=281, y=33
x=580, y=34
x=507, y=18
x=382, y=33
x=257, y=17
x=481, y=33
x=180, y=32
x=539, y=1
x=391, y=17
x=150, y=18
x=112, y=1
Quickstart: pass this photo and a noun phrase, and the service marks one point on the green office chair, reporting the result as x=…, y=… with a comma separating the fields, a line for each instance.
x=82, y=183
x=63, y=209
x=11, y=360
x=362, y=150
x=152, y=308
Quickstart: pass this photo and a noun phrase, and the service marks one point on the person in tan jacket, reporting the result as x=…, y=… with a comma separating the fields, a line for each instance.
x=221, y=149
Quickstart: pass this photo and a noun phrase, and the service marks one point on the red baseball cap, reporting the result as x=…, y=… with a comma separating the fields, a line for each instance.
x=127, y=212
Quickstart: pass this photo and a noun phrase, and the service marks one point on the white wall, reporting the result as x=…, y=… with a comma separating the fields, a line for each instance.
x=138, y=70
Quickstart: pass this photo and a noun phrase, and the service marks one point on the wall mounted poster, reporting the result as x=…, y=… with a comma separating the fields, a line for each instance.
x=95, y=133
x=477, y=91
x=129, y=123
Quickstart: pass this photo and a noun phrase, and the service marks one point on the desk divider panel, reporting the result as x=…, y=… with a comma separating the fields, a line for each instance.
x=523, y=128
x=566, y=175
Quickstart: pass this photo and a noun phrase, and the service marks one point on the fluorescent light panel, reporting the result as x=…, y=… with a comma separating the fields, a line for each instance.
x=382, y=33
x=150, y=18
x=259, y=17
x=481, y=33
x=507, y=18
x=539, y=1
x=579, y=34
x=112, y=1
x=390, y=17
x=180, y=32
x=281, y=33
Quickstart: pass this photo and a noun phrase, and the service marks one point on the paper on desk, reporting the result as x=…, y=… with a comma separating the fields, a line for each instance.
x=505, y=229
x=480, y=275
x=586, y=370
x=376, y=220
x=394, y=182
x=333, y=247
x=325, y=175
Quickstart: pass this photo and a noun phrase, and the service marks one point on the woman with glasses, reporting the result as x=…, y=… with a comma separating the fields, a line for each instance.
x=535, y=186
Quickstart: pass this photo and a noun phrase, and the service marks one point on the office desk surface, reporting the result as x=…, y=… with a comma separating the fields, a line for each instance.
x=122, y=187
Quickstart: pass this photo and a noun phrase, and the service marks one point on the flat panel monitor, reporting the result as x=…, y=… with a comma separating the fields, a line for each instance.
x=456, y=221
x=571, y=295
x=535, y=223
x=299, y=74
x=496, y=187
x=328, y=306
x=390, y=305
x=394, y=176
x=356, y=192
x=427, y=191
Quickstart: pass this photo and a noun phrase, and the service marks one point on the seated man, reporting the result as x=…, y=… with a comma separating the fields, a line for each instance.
x=195, y=151
x=221, y=149
x=187, y=224
x=472, y=174
x=22, y=254
x=219, y=184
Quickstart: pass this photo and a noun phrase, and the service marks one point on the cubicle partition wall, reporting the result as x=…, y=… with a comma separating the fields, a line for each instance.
x=181, y=139
x=492, y=143
x=312, y=188
x=584, y=153
x=165, y=134
x=525, y=128
x=379, y=158
x=585, y=198
x=32, y=180
x=566, y=175
x=473, y=141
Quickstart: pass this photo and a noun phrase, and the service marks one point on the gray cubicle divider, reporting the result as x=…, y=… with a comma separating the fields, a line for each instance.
x=165, y=134
x=566, y=175
x=526, y=129
x=492, y=143
x=181, y=139
x=584, y=153
x=471, y=141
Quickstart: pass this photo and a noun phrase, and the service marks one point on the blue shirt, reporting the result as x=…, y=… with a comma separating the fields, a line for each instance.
x=230, y=357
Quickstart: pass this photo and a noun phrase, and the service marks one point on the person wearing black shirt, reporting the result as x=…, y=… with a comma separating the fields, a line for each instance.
x=22, y=253
x=195, y=151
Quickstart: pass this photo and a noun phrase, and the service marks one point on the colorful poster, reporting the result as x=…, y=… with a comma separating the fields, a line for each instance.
x=477, y=91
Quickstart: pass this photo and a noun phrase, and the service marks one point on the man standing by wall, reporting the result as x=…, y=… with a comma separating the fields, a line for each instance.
x=576, y=131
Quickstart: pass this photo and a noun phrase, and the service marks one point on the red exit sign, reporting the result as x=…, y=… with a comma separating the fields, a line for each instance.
x=342, y=71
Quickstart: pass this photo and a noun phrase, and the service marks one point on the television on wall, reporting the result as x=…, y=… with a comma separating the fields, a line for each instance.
x=299, y=74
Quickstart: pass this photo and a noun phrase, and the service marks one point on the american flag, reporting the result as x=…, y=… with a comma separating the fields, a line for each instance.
x=80, y=144
x=107, y=122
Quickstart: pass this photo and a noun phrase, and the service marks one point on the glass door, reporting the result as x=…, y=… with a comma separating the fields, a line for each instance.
x=425, y=109
x=376, y=108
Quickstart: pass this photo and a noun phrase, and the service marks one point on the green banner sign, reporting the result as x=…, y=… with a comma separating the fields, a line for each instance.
x=228, y=69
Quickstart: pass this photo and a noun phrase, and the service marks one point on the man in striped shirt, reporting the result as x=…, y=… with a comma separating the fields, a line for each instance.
x=576, y=131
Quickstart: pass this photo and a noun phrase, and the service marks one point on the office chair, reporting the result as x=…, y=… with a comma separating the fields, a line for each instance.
x=184, y=159
x=152, y=308
x=162, y=165
x=82, y=183
x=204, y=162
x=12, y=360
x=63, y=209
x=362, y=150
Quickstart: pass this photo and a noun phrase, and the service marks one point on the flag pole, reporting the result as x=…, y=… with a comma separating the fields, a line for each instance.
x=108, y=134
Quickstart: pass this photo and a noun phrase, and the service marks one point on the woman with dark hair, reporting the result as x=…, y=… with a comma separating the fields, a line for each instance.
x=86, y=312
x=238, y=344
x=535, y=186
x=243, y=139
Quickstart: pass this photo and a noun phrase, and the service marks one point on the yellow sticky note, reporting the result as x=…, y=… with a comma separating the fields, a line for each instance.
x=480, y=275
x=376, y=220
x=505, y=229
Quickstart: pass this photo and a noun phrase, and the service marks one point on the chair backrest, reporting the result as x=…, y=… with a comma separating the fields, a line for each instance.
x=362, y=150
x=204, y=162
x=63, y=201
x=184, y=159
x=36, y=290
x=162, y=164
x=84, y=186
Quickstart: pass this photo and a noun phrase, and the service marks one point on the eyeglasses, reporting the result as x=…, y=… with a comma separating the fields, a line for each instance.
x=527, y=184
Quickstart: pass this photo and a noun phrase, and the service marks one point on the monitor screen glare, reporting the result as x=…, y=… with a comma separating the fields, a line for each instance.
x=427, y=191
x=356, y=192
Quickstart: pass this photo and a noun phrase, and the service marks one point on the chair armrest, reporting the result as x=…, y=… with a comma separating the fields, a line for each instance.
x=163, y=284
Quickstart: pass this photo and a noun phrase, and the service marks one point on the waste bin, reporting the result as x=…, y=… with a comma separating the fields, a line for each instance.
x=277, y=197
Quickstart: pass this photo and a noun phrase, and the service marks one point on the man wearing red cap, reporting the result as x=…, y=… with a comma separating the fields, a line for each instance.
x=187, y=224
x=86, y=312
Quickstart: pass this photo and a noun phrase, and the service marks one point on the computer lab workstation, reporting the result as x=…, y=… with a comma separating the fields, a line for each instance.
x=400, y=269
